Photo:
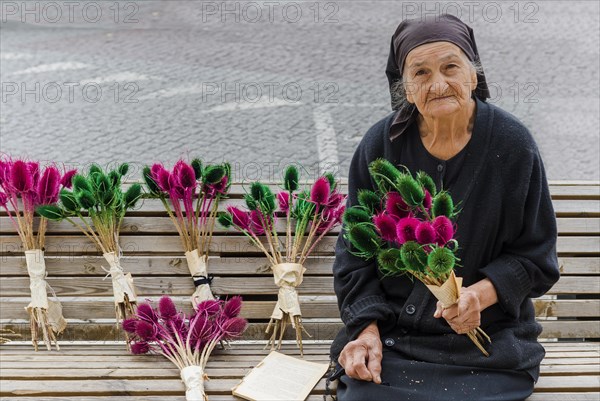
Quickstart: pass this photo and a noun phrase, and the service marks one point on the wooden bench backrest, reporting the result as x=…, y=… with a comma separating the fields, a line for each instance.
x=153, y=254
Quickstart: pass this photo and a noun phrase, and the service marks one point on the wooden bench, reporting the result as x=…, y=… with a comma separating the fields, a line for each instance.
x=93, y=363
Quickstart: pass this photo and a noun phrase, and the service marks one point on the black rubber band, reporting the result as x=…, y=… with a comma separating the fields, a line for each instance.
x=203, y=280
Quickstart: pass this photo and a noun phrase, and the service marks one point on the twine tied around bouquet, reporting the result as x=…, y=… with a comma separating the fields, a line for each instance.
x=122, y=283
x=448, y=294
x=197, y=265
x=42, y=311
x=193, y=378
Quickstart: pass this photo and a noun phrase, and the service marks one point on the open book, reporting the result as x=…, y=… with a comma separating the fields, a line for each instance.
x=280, y=377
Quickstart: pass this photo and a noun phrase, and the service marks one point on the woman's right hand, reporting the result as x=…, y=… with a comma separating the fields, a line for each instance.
x=361, y=358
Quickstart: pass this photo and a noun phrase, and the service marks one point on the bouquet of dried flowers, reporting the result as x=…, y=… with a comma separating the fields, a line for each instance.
x=185, y=341
x=313, y=212
x=23, y=187
x=190, y=194
x=406, y=224
x=97, y=205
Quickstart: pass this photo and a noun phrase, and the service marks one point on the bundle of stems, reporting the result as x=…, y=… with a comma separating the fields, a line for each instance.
x=97, y=206
x=6, y=333
x=23, y=187
x=406, y=225
x=190, y=194
x=313, y=213
x=185, y=341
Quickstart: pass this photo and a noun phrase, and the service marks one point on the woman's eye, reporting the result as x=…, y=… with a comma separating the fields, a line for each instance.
x=420, y=72
x=452, y=65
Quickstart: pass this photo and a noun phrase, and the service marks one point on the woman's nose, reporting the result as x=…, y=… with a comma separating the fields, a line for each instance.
x=439, y=86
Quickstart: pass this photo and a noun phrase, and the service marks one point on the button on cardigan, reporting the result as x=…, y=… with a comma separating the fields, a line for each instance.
x=506, y=232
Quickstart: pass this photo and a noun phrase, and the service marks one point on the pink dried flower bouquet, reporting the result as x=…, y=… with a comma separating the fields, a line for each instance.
x=190, y=194
x=314, y=212
x=23, y=187
x=185, y=341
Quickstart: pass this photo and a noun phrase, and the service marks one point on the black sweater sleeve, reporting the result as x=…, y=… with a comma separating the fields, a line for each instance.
x=361, y=299
x=528, y=265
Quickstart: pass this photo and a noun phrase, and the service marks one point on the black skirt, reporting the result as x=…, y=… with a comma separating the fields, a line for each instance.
x=406, y=380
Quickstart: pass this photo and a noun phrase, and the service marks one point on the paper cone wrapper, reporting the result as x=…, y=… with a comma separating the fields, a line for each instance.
x=287, y=277
x=449, y=292
x=193, y=378
x=36, y=268
x=198, y=266
x=122, y=283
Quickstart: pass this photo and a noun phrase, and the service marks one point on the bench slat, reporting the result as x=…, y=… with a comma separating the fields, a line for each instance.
x=150, y=244
x=159, y=265
x=136, y=244
x=164, y=226
x=319, y=330
x=593, y=396
x=163, y=265
x=217, y=386
x=81, y=308
x=562, y=207
x=157, y=286
x=254, y=285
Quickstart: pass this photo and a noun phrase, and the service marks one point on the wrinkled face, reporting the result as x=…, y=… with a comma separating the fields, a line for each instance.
x=438, y=79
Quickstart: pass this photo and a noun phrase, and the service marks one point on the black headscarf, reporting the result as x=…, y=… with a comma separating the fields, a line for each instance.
x=415, y=32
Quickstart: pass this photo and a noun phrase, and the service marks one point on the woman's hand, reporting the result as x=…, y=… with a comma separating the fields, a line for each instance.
x=465, y=315
x=361, y=358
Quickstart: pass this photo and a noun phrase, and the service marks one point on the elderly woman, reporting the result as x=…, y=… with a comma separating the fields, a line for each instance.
x=398, y=343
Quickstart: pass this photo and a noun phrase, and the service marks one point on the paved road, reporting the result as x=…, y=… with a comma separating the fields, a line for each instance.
x=268, y=83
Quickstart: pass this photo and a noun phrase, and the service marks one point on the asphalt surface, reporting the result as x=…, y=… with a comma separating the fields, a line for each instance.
x=265, y=84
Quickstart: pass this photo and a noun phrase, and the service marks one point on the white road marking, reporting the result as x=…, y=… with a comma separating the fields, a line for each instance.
x=126, y=76
x=326, y=139
x=259, y=104
x=14, y=56
x=53, y=67
x=176, y=91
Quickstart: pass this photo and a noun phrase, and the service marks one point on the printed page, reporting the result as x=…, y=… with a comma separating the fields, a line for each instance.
x=280, y=377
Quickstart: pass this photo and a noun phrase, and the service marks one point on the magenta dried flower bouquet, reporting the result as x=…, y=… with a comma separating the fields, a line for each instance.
x=185, y=341
x=97, y=206
x=406, y=225
x=24, y=186
x=190, y=194
x=313, y=213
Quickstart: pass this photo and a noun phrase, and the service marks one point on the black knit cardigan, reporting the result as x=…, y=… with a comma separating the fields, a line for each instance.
x=506, y=231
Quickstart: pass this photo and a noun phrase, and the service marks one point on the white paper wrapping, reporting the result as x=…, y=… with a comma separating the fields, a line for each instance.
x=36, y=268
x=37, y=278
x=122, y=283
x=55, y=316
x=287, y=277
x=193, y=378
x=198, y=267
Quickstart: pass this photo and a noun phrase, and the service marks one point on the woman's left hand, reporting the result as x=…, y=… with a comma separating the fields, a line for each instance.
x=465, y=315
